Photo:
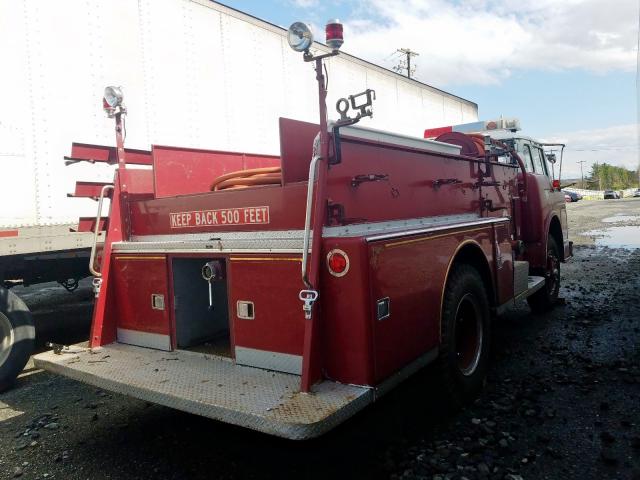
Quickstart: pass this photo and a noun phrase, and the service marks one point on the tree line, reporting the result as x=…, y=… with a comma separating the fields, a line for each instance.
x=604, y=177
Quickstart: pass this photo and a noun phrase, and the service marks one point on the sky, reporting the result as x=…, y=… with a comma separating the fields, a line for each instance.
x=565, y=68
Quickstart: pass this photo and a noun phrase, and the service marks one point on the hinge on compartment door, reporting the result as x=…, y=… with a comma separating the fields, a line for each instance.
x=336, y=216
x=445, y=181
x=335, y=213
x=487, y=204
x=371, y=177
x=482, y=183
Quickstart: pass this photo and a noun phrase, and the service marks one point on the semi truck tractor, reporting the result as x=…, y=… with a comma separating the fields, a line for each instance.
x=285, y=293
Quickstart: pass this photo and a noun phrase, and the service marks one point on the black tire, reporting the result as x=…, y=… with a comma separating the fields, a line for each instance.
x=545, y=298
x=17, y=336
x=466, y=335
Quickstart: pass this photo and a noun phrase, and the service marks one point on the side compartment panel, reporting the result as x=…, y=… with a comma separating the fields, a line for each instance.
x=408, y=191
x=411, y=272
x=504, y=263
x=347, y=328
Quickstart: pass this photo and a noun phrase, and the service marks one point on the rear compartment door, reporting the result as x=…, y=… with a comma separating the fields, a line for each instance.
x=140, y=301
x=196, y=320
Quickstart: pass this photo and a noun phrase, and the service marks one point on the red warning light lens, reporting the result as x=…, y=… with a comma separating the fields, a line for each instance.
x=338, y=263
x=334, y=35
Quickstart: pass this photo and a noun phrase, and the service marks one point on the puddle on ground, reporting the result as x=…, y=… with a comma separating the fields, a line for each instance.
x=621, y=218
x=617, y=237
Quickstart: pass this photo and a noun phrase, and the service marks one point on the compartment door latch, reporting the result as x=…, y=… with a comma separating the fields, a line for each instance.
x=212, y=271
x=308, y=297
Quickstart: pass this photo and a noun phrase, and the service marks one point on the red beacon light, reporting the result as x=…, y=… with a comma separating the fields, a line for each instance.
x=334, y=34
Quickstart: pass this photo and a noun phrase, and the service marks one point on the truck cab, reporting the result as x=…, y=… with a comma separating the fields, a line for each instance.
x=542, y=221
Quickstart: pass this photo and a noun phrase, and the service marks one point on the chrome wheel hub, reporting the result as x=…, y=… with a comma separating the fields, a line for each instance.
x=468, y=335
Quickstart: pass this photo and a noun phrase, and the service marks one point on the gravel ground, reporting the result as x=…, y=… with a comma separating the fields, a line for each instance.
x=562, y=401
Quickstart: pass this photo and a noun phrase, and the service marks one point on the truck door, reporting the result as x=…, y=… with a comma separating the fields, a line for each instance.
x=556, y=198
x=542, y=199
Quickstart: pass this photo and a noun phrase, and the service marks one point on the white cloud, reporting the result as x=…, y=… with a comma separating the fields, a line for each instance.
x=617, y=145
x=304, y=3
x=482, y=41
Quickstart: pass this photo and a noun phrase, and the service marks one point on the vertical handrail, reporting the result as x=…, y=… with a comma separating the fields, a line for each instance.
x=96, y=232
x=306, y=240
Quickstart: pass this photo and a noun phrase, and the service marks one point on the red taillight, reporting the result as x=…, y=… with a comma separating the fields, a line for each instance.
x=334, y=35
x=338, y=263
x=556, y=184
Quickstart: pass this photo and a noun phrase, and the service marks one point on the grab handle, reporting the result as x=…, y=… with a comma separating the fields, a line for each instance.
x=96, y=232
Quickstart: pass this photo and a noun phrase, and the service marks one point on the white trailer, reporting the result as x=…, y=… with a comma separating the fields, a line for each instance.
x=194, y=72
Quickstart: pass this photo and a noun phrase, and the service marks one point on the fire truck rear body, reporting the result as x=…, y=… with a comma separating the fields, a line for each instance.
x=379, y=322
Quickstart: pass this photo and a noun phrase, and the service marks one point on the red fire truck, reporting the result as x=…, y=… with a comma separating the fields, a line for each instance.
x=284, y=294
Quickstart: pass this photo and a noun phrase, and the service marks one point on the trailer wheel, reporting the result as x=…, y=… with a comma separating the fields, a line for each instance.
x=17, y=335
x=545, y=298
x=466, y=332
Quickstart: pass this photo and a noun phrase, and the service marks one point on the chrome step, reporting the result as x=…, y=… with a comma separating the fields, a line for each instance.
x=520, y=277
x=533, y=285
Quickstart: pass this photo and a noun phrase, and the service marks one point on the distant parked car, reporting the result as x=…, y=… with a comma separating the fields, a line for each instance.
x=637, y=193
x=611, y=194
x=574, y=196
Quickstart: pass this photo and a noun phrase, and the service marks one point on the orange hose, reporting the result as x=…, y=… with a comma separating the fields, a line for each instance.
x=478, y=139
x=247, y=178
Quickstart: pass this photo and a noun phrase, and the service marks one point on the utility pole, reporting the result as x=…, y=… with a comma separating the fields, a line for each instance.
x=405, y=63
x=581, y=173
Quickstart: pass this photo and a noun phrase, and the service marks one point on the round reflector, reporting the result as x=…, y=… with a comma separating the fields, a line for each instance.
x=299, y=37
x=337, y=263
x=113, y=96
x=333, y=32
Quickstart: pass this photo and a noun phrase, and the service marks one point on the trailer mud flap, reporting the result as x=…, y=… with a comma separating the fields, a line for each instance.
x=213, y=387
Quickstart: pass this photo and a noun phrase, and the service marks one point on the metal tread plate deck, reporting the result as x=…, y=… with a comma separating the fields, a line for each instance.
x=290, y=241
x=212, y=387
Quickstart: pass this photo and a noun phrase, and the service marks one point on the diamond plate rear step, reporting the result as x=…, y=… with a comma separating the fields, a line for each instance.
x=212, y=387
